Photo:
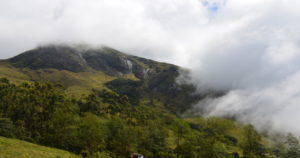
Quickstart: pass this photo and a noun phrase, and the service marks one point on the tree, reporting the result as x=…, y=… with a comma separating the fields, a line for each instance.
x=121, y=137
x=251, y=145
x=7, y=128
x=91, y=133
x=151, y=139
x=210, y=140
x=181, y=129
x=293, y=146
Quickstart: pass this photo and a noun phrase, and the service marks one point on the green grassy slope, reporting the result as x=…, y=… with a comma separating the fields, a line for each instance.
x=75, y=83
x=13, y=148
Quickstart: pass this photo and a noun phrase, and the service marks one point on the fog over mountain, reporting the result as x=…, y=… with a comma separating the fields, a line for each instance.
x=249, y=48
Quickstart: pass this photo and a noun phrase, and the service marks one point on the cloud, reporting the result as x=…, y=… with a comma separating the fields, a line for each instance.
x=249, y=48
x=151, y=28
x=275, y=107
x=253, y=52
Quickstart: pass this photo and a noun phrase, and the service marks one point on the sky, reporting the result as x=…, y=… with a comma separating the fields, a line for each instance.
x=247, y=47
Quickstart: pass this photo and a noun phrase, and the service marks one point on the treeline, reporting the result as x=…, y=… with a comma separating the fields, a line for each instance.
x=106, y=125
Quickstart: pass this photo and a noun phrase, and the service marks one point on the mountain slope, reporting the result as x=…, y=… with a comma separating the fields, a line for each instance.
x=106, y=123
x=13, y=148
x=74, y=59
x=82, y=69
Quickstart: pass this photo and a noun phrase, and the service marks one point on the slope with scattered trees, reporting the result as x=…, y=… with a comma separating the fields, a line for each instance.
x=106, y=124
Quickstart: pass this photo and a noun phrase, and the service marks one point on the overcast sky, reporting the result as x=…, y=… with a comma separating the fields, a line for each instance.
x=159, y=29
x=249, y=47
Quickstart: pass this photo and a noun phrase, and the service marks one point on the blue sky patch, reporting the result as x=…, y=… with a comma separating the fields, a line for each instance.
x=213, y=5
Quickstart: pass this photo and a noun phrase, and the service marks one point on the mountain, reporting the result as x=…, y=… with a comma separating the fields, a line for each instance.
x=112, y=105
x=81, y=69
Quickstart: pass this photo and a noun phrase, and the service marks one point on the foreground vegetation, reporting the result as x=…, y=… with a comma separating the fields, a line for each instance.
x=107, y=125
x=13, y=148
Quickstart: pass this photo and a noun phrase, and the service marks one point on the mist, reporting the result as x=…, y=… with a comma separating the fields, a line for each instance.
x=249, y=48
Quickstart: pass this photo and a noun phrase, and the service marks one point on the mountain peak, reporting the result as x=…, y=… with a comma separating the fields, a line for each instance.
x=104, y=67
x=83, y=59
x=57, y=57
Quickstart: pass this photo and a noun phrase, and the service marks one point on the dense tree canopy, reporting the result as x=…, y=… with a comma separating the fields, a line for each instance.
x=106, y=124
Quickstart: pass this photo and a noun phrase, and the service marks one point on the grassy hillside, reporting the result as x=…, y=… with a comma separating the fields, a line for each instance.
x=13, y=148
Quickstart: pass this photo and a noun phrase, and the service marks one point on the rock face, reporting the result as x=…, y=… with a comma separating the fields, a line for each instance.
x=105, y=59
x=155, y=79
x=62, y=58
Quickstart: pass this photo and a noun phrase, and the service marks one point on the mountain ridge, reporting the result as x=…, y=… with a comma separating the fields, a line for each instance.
x=73, y=59
x=81, y=70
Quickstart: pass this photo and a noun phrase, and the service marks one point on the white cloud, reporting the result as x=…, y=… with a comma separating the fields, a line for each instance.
x=150, y=28
x=274, y=107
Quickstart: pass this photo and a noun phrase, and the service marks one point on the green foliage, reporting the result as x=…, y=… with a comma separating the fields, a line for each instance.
x=251, y=145
x=91, y=133
x=7, y=128
x=293, y=146
x=121, y=138
x=211, y=138
x=107, y=124
x=100, y=155
x=129, y=88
